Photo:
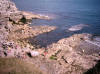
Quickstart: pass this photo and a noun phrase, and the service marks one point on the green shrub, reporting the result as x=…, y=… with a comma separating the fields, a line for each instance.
x=23, y=20
x=53, y=57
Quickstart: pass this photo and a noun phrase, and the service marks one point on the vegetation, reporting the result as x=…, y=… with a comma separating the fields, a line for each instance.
x=23, y=20
x=53, y=57
x=17, y=66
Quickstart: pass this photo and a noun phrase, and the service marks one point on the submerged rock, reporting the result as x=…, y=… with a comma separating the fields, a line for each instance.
x=77, y=27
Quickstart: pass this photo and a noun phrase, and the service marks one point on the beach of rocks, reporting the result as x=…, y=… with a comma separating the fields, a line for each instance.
x=75, y=54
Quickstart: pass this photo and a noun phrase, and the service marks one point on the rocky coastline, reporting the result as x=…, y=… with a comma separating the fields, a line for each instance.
x=75, y=54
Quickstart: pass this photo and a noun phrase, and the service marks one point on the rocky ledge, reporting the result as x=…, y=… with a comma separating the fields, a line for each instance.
x=71, y=55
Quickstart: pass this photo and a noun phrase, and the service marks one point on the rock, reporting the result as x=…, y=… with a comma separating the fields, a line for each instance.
x=70, y=55
x=29, y=15
x=7, y=7
x=28, y=46
x=34, y=53
x=96, y=38
x=10, y=53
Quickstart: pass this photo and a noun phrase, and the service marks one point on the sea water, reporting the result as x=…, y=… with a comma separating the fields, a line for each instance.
x=68, y=15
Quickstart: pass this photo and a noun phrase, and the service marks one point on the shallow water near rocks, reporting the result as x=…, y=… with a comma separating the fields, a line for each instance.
x=66, y=13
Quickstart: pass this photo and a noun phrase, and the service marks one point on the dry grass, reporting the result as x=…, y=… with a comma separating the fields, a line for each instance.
x=17, y=66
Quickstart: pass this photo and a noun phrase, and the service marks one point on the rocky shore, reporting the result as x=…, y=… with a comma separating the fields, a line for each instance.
x=75, y=54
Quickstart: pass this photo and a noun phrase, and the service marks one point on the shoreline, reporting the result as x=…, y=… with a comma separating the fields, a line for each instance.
x=30, y=15
x=67, y=55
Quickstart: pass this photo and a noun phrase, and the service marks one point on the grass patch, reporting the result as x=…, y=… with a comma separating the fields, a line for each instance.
x=53, y=57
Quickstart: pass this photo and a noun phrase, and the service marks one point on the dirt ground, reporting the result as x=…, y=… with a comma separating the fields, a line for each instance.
x=17, y=66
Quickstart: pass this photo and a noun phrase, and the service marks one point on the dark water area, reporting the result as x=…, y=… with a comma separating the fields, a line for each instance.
x=66, y=13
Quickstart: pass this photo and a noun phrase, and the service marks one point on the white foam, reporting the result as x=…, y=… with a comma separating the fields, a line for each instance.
x=47, y=15
x=77, y=27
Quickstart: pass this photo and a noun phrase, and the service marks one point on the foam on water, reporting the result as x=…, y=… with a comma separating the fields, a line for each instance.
x=77, y=27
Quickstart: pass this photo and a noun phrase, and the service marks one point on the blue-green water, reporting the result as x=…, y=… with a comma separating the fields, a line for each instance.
x=67, y=13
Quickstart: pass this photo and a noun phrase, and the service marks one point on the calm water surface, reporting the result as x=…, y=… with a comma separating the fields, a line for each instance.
x=67, y=12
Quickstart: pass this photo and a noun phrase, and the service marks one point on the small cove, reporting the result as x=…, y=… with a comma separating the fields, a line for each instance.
x=66, y=13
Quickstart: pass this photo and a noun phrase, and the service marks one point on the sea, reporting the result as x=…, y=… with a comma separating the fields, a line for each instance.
x=68, y=15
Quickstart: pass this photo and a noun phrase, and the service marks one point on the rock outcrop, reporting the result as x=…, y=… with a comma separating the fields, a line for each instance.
x=71, y=58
